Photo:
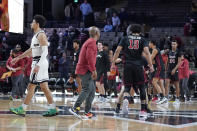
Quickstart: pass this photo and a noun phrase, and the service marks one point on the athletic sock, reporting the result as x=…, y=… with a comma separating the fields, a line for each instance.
x=24, y=106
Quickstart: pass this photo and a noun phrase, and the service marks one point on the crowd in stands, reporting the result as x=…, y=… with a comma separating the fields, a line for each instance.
x=190, y=27
x=61, y=43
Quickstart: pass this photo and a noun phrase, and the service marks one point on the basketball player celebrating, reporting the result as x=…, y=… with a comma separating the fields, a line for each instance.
x=133, y=45
x=39, y=72
x=159, y=73
x=174, y=61
x=87, y=72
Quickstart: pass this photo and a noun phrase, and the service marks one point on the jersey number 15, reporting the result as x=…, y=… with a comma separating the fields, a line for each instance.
x=134, y=44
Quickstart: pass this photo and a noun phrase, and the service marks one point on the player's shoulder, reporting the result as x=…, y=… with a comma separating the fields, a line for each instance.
x=41, y=35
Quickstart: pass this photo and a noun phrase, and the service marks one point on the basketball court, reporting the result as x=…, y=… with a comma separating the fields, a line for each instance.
x=166, y=117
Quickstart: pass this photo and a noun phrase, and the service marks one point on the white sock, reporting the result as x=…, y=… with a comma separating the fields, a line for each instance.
x=52, y=106
x=24, y=106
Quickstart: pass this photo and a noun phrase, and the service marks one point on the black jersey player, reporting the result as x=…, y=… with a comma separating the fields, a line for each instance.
x=133, y=45
x=159, y=74
x=174, y=61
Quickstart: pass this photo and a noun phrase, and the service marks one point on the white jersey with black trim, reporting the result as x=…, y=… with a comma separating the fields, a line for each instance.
x=35, y=45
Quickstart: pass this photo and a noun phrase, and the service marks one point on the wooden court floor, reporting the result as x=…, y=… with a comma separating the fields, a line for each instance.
x=167, y=117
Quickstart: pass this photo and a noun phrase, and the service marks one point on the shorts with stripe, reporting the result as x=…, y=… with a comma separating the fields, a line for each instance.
x=42, y=75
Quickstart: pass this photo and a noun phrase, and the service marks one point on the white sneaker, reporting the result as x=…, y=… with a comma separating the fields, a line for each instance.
x=177, y=102
x=75, y=98
x=163, y=100
x=125, y=109
x=104, y=99
x=143, y=113
x=100, y=99
x=157, y=101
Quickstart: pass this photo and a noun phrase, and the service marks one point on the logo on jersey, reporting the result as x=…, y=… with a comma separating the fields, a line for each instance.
x=172, y=59
x=134, y=44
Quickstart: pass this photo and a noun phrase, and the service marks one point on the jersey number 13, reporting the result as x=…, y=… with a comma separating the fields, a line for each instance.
x=134, y=44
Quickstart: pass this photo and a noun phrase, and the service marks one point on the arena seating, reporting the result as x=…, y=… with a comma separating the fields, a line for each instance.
x=171, y=13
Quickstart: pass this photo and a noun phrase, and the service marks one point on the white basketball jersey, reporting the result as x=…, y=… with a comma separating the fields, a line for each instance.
x=35, y=45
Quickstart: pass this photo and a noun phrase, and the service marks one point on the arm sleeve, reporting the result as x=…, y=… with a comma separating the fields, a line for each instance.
x=91, y=58
x=44, y=55
x=122, y=42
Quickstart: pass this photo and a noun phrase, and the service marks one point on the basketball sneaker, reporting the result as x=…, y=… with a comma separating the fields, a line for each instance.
x=18, y=111
x=149, y=112
x=75, y=112
x=162, y=100
x=89, y=115
x=143, y=113
x=177, y=102
x=51, y=112
x=117, y=110
x=154, y=99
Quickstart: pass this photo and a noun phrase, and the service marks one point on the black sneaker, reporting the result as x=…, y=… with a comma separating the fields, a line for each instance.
x=150, y=113
x=188, y=98
x=182, y=99
x=117, y=110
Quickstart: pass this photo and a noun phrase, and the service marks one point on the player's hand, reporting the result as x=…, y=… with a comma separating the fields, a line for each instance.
x=36, y=69
x=173, y=72
x=14, y=70
x=14, y=60
x=118, y=60
x=167, y=50
x=152, y=69
x=94, y=75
